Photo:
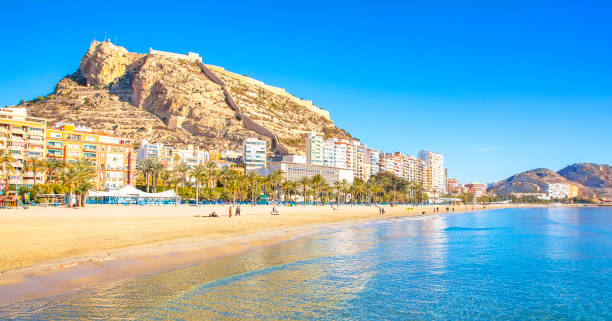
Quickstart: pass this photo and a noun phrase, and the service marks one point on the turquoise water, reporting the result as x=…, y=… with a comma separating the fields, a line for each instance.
x=511, y=264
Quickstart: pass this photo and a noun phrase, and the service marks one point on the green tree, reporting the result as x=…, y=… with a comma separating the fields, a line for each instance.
x=6, y=161
x=199, y=172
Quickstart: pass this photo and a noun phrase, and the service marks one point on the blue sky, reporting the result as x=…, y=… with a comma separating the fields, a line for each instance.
x=497, y=88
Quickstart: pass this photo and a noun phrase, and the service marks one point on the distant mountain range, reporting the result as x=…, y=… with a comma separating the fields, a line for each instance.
x=593, y=180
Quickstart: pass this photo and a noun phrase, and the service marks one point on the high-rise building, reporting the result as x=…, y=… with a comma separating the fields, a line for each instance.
x=24, y=137
x=436, y=177
x=113, y=156
x=374, y=157
x=404, y=166
x=314, y=149
x=329, y=157
x=254, y=153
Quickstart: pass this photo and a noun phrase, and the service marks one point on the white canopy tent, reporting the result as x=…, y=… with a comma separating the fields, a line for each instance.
x=129, y=190
x=129, y=194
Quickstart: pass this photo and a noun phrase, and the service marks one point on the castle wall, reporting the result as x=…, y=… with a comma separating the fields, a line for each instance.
x=191, y=56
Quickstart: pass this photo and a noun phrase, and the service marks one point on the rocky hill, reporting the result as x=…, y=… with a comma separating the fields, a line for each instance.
x=533, y=181
x=596, y=177
x=178, y=100
x=593, y=180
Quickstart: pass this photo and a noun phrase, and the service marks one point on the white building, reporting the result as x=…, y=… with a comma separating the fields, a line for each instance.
x=314, y=149
x=374, y=157
x=295, y=159
x=295, y=171
x=558, y=191
x=192, y=156
x=436, y=177
x=329, y=157
x=254, y=153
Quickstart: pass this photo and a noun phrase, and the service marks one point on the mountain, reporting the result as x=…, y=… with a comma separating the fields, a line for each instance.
x=596, y=177
x=177, y=100
x=593, y=180
x=533, y=181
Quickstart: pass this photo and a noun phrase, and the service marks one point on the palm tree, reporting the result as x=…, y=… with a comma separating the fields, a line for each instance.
x=165, y=177
x=83, y=187
x=234, y=183
x=70, y=177
x=345, y=189
x=224, y=175
x=155, y=169
x=276, y=178
x=254, y=179
x=87, y=172
x=198, y=172
x=6, y=161
x=35, y=165
x=212, y=172
x=177, y=176
x=304, y=182
x=144, y=169
x=316, y=182
x=52, y=165
x=287, y=189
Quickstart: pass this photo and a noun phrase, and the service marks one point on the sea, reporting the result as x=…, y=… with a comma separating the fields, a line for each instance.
x=504, y=264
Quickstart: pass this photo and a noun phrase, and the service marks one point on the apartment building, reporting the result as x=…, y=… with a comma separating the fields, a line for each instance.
x=374, y=157
x=254, y=153
x=558, y=191
x=436, y=174
x=24, y=137
x=314, y=149
x=404, y=166
x=113, y=156
x=164, y=154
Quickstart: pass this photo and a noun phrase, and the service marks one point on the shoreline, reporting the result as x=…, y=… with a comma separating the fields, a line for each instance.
x=63, y=274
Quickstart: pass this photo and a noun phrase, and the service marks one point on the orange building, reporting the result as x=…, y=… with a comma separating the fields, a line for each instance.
x=113, y=156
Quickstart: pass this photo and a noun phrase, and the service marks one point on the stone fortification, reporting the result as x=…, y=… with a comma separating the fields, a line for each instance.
x=190, y=56
x=275, y=90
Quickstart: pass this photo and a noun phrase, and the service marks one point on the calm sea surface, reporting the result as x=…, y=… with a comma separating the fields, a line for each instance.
x=511, y=264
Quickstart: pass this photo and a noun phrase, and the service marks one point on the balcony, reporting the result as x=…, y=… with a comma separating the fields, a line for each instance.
x=17, y=130
x=15, y=147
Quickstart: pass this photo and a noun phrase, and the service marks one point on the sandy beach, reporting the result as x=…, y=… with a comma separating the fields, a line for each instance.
x=45, y=246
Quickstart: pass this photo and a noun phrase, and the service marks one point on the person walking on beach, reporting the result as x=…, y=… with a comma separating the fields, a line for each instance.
x=238, y=210
x=230, y=211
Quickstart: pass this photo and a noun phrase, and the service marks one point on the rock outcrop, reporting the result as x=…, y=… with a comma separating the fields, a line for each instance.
x=166, y=97
x=592, y=180
x=596, y=177
x=533, y=181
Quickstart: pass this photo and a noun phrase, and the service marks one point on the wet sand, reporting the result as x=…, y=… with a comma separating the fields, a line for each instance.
x=50, y=250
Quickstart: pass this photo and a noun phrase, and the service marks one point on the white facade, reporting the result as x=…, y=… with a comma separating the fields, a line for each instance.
x=295, y=159
x=558, y=190
x=329, y=157
x=254, y=153
x=192, y=156
x=374, y=158
x=434, y=164
x=314, y=149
